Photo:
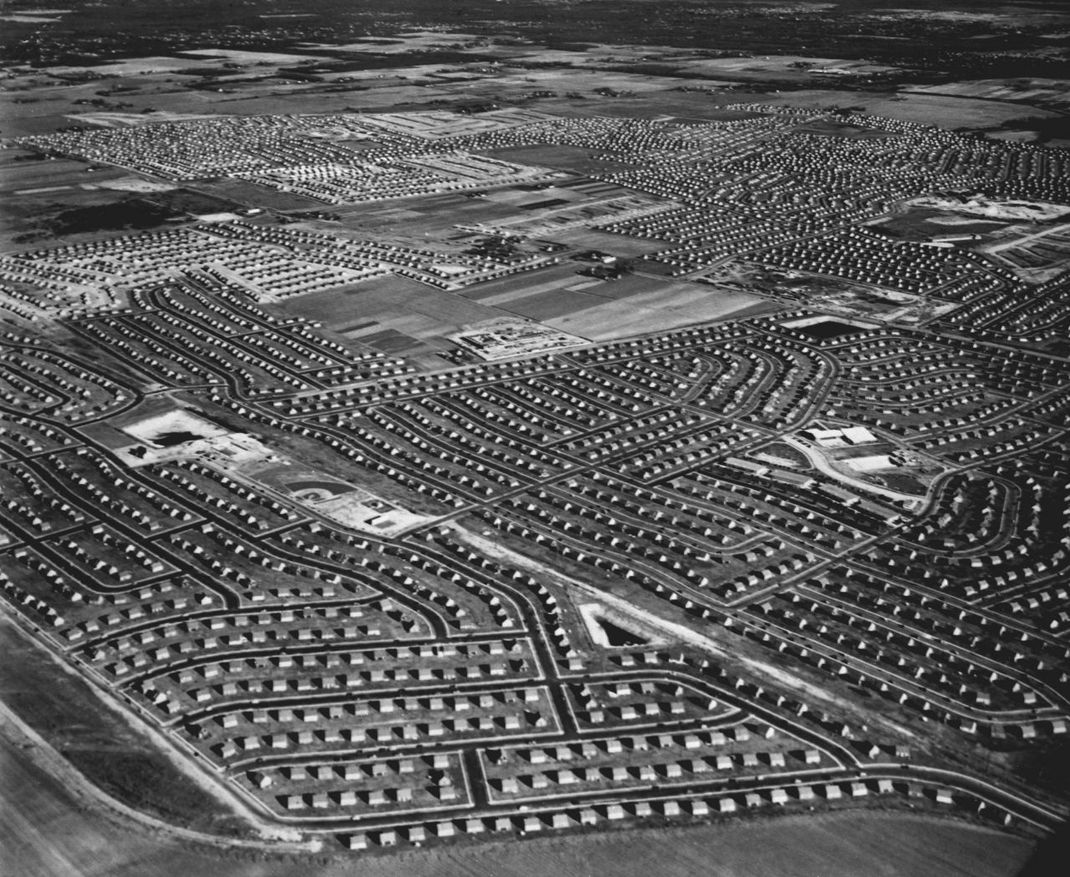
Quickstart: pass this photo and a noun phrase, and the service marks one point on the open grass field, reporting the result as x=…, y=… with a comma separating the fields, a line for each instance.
x=567, y=158
x=707, y=103
x=46, y=201
x=1052, y=92
x=22, y=174
x=599, y=310
x=407, y=41
x=415, y=221
x=554, y=303
x=252, y=195
x=923, y=223
x=662, y=306
x=394, y=315
x=386, y=300
x=508, y=289
x=98, y=741
x=926, y=109
x=615, y=244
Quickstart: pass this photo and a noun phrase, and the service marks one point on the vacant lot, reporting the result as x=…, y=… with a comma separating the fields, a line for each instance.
x=567, y=158
x=614, y=244
x=97, y=741
x=664, y=305
x=387, y=300
x=394, y=315
x=927, y=109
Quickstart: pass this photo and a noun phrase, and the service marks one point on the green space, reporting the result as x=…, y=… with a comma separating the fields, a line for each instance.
x=99, y=740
